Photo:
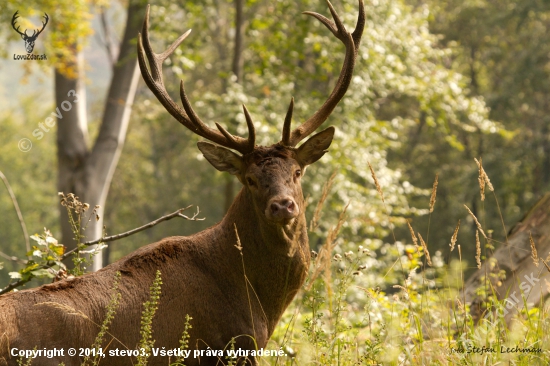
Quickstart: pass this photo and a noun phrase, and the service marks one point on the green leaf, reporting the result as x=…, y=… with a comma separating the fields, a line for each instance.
x=43, y=273
x=30, y=266
x=58, y=249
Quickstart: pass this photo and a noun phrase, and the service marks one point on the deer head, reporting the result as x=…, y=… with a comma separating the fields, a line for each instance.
x=29, y=40
x=201, y=275
x=270, y=175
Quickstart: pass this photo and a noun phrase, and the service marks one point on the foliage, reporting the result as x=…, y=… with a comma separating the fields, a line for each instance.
x=401, y=82
x=501, y=49
x=343, y=317
x=47, y=251
x=68, y=27
x=109, y=316
x=147, y=342
x=31, y=177
x=419, y=104
x=184, y=341
x=50, y=254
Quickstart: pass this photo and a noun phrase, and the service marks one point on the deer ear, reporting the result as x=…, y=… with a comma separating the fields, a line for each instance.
x=221, y=158
x=315, y=147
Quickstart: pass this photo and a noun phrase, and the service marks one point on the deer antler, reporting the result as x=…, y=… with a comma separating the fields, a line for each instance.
x=43, y=25
x=351, y=41
x=186, y=116
x=13, y=21
x=24, y=34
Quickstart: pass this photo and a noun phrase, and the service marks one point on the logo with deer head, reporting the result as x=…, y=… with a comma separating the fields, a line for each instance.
x=29, y=39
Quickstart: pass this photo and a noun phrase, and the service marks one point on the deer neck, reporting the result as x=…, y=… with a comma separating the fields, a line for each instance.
x=276, y=258
x=260, y=234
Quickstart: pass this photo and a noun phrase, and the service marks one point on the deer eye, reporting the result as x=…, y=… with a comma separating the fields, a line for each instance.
x=250, y=182
x=298, y=173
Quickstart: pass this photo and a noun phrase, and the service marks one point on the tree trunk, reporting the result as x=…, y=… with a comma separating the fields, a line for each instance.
x=525, y=282
x=72, y=143
x=114, y=124
x=87, y=173
x=237, y=69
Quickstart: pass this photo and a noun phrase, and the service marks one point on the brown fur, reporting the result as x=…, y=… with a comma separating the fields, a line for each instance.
x=202, y=276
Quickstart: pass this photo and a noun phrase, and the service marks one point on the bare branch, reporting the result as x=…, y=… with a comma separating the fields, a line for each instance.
x=12, y=258
x=178, y=213
x=17, y=210
x=12, y=286
x=147, y=226
x=108, y=43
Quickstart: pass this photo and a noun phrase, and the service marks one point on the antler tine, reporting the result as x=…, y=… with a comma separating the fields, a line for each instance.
x=198, y=125
x=251, y=130
x=226, y=133
x=288, y=121
x=186, y=116
x=359, y=26
x=154, y=81
x=43, y=23
x=351, y=41
x=14, y=20
x=200, y=128
x=156, y=60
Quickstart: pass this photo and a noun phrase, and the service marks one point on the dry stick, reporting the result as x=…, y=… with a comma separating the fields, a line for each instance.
x=462, y=279
x=177, y=213
x=478, y=251
x=379, y=189
x=147, y=226
x=481, y=179
x=413, y=236
x=501, y=218
x=454, y=237
x=476, y=222
x=534, y=254
x=325, y=253
x=326, y=189
x=12, y=258
x=17, y=210
x=426, y=252
x=13, y=285
x=432, y=204
x=434, y=194
x=240, y=249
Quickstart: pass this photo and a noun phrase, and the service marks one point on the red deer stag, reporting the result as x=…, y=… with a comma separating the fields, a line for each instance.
x=203, y=274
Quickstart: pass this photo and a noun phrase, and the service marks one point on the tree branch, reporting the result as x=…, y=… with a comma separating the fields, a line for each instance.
x=17, y=210
x=178, y=213
x=13, y=286
x=147, y=226
x=12, y=258
x=109, y=43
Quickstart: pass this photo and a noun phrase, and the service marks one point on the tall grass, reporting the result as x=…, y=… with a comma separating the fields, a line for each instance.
x=351, y=312
x=347, y=316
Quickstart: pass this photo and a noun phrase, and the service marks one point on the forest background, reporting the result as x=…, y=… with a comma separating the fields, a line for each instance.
x=437, y=84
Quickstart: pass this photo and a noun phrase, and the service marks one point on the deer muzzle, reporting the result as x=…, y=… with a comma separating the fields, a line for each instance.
x=282, y=210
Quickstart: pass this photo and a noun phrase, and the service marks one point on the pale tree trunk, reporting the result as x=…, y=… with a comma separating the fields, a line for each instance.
x=525, y=282
x=72, y=143
x=88, y=173
x=237, y=68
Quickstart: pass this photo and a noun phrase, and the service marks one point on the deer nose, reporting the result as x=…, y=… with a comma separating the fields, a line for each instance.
x=282, y=206
x=282, y=209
